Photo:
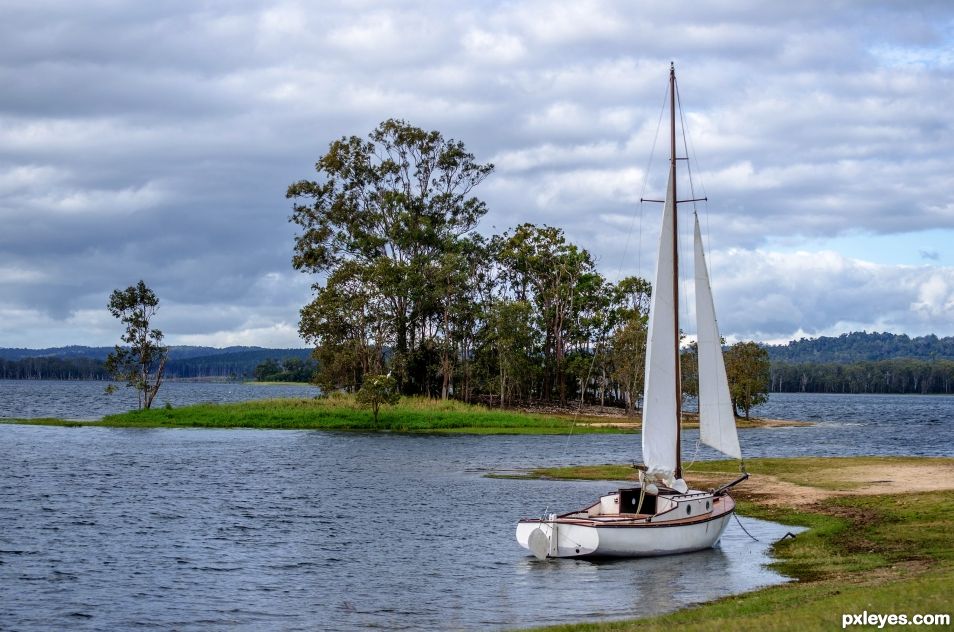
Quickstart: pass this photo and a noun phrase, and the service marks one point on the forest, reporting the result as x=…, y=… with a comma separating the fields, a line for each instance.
x=405, y=285
x=899, y=375
x=863, y=362
x=88, y=363
x=862, y=346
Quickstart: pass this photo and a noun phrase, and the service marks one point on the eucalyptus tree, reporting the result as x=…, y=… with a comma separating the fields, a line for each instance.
x=389, y=205
x=457, y=276
x=140, y=363
x=628, y=343
x=509, y=336
x=349, y=324
x=541, y=266
x=748, y=368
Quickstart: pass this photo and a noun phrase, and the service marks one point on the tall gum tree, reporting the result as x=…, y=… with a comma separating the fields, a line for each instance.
x=748, y=368
x=389, y=205
x=540, y=265
x=142, y=360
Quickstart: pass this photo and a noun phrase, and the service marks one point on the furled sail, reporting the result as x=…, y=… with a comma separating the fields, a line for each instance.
x=659, y=397
x=716, y=416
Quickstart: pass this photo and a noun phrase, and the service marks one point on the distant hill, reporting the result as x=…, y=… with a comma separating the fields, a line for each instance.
x=862, y=346
x=79, y=362
x=178, y=352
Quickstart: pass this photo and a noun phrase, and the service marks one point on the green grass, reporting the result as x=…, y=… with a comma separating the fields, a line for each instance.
x=412, y=414
x=880, y=553
x=48, y=421
x=822, y=472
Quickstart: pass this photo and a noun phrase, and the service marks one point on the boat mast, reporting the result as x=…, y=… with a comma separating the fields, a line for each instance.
x=675, y=258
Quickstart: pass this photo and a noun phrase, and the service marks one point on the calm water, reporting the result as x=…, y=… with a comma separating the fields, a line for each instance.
x=24, y=399
x=294, y=530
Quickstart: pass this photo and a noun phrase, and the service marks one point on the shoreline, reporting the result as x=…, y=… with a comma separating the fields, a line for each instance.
x=878, y=533
x=410, y=415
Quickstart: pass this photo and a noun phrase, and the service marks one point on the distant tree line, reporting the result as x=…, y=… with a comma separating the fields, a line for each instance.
x=234, y=365
x=286, y=370
x=53, y=369
x=860, y=346
x=903, y=375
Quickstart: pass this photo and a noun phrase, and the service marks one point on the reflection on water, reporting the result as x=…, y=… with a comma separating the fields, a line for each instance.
x=126, y=528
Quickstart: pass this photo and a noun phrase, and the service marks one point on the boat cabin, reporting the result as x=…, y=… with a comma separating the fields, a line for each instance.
x=636, y=503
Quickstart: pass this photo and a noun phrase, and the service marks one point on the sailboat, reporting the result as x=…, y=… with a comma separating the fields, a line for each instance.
x=660, y=515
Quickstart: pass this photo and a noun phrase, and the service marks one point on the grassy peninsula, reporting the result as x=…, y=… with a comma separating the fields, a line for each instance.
x=412, y=414
x=879, y=540
x=342, y=412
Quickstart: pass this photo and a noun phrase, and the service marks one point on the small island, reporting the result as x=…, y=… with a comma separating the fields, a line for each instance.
x=410, y=414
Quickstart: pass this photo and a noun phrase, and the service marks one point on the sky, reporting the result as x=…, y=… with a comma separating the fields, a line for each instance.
x=155, y=141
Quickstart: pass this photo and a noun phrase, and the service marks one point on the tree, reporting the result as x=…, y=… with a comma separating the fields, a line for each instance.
x=142, y=362
x=377, y=390
x=542, y=267
x=689, y=368
x=388, y=206
x=627, y=354
x=628, y=357
x=748, y=369
x=509, y=335
x=267, y=370
x=348, y=322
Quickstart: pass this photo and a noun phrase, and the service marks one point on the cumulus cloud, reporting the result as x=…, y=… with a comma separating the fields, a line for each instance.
x=156, y=142
x=770, y=296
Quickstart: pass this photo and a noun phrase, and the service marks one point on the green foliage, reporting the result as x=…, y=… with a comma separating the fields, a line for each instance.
x=410, y=288
x=748, y=369
x=561, y=281
x=882, y=376
x=53, y=368
x=377, y=390
x=380, y=221
x=689, y=367
x=861, y=346
x=285, y=370
x=508, y=333
x=140, y=364
x=628, y=344
x=88, y=363
x=338, y=411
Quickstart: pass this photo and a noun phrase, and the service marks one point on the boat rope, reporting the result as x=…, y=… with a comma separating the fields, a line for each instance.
x=689, y=147
x=746, y=530
x=694, y=455
x=788, y=534
x=619, y=268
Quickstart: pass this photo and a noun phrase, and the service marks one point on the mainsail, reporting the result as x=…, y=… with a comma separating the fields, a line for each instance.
x=716, y=416
x=660, y=426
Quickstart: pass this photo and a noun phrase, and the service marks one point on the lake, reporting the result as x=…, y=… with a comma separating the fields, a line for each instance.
x=105, y=529
x=24, y=399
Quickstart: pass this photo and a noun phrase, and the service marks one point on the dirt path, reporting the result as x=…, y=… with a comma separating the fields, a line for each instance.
x=858, y=480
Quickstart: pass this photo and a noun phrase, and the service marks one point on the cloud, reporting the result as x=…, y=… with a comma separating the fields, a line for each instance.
x=772, y=296
x=156, y=142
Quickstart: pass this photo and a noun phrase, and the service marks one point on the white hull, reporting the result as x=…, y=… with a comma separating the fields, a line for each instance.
x=577, y=536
